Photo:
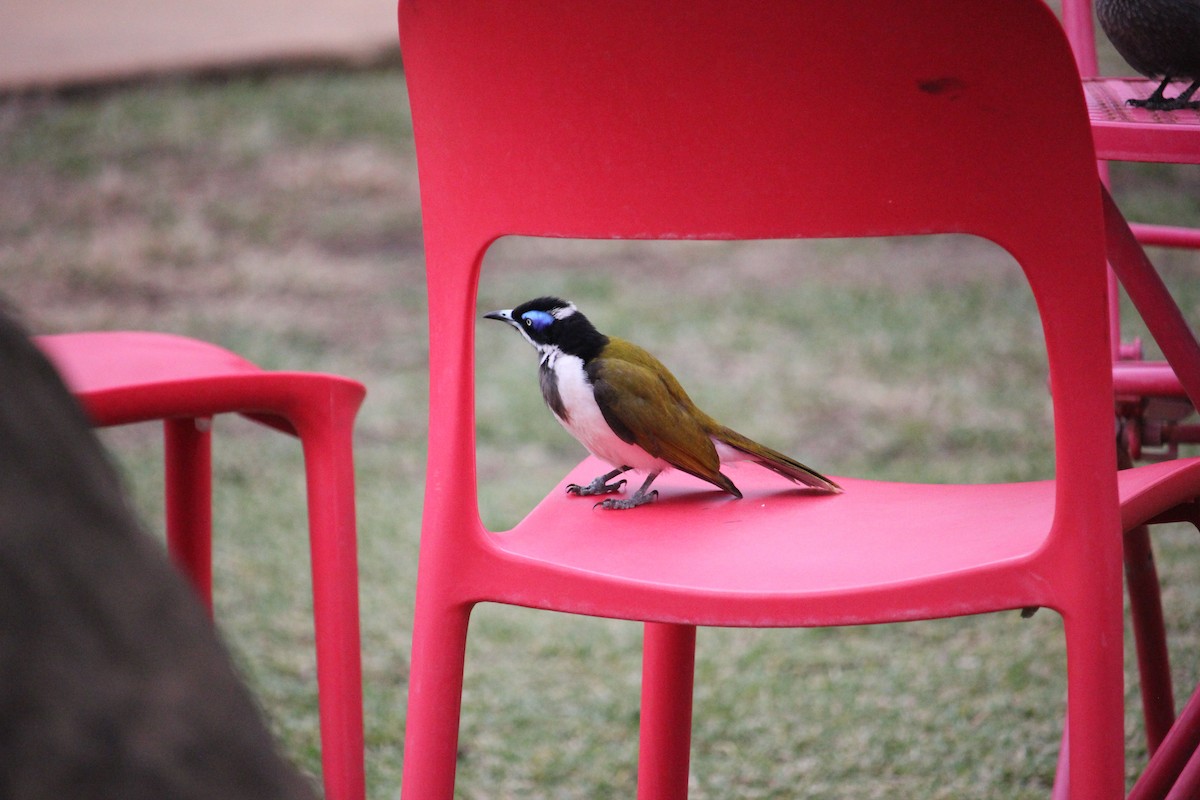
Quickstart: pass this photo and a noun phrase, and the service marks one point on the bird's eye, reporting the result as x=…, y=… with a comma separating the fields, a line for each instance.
x=537, y=320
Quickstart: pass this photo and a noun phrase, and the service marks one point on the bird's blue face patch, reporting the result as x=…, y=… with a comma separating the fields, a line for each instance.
x=537, y=320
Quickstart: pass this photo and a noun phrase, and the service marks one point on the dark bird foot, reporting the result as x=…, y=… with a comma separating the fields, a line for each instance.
x=1159, y=102
x=1164, y=104
x=600, y=485
x=638, y=499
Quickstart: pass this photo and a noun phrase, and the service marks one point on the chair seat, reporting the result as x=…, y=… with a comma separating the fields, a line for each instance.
x=134, y=376
x=789, y=544
x=1128, y=133
x=102, y=360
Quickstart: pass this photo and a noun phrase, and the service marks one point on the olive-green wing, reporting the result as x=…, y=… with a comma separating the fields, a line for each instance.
x=644, y=405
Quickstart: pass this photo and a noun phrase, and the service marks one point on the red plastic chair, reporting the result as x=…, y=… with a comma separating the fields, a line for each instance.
x=124, y=377
x=1153, y=402
x=708, y=120
x=1126, y=133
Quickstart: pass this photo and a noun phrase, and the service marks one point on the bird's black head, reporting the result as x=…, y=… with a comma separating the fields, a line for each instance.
x=553, y=323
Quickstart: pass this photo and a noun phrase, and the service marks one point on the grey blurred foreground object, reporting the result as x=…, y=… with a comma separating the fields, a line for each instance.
x=113, y=683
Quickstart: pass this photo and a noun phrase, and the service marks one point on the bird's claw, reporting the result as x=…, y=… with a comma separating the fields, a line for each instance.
x=1163, y=104
x=596, y=487
x=620, y=504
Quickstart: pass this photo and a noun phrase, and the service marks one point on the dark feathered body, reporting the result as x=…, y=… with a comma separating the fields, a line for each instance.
x=1159, y=39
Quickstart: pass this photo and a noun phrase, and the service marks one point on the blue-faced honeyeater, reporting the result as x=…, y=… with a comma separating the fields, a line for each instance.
x=629, y=410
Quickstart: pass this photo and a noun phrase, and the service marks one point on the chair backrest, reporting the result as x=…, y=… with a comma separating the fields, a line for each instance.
x=725, y=119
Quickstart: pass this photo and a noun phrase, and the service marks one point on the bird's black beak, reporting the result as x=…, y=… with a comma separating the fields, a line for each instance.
x=504, y=315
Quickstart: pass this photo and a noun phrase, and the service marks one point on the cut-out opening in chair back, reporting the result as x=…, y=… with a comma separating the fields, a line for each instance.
x=913, y=358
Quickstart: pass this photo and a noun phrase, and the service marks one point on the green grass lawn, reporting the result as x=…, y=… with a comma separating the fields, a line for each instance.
x=277, y=215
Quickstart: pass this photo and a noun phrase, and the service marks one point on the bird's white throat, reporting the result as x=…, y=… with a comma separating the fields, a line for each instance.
x=585, y=421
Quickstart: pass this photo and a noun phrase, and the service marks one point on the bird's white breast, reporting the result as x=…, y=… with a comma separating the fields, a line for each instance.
x=586, y=422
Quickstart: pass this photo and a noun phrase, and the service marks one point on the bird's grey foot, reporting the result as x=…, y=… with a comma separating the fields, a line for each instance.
x=600, y=485
x=639, y=498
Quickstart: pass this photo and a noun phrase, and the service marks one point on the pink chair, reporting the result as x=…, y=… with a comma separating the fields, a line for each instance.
x=135, y=377
x=709, y=120
x=1125, y=133
x=1154, y=402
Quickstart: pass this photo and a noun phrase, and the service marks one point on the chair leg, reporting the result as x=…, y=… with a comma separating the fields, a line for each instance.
x=329, y=467
x=187, y=455
x=1096, y=701
x=1061, y=789
x=668, y=670
x=1149, y=630
x=434, y=700
x=1154, y=667
x=1188, y=785
x=1172, y=757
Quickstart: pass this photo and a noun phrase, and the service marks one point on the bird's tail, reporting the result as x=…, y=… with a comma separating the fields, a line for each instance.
x=775, y=461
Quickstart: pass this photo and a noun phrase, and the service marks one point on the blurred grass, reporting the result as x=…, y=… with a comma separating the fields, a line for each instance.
x=277, y=215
